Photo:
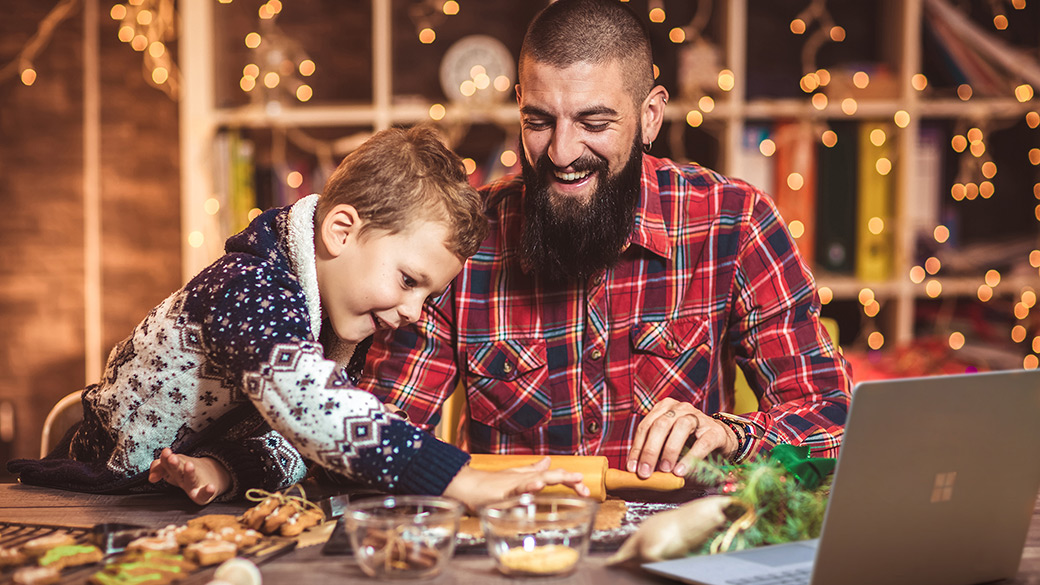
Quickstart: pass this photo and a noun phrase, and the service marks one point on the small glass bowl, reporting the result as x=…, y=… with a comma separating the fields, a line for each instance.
x=538, y=534
x=403, y=537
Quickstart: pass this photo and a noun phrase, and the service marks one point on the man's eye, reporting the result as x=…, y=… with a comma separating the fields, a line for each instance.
x=536, y=124
x=596, y=126
x=409, y=282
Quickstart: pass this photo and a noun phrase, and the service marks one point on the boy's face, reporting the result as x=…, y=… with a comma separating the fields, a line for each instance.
x=377, y=280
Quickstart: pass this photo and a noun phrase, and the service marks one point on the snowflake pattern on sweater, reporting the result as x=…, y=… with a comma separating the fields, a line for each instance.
x=245, y=330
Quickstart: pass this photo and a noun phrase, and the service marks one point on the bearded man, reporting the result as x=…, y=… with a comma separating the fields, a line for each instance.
x=605, y=312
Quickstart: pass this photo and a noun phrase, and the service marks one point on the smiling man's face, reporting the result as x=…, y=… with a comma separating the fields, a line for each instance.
x=581, y=137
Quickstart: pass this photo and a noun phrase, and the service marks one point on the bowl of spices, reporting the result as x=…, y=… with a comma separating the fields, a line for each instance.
x=538, y=534
x=403, y=537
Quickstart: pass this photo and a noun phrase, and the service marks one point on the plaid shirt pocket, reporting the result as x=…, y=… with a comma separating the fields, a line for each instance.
x=672, y=358
x=506, y=384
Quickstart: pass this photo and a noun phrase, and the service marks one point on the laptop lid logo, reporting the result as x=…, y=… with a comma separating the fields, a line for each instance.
x=943, y=490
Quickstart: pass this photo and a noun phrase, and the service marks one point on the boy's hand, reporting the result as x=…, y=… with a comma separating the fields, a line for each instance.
x=475, y=488
x=202, y=478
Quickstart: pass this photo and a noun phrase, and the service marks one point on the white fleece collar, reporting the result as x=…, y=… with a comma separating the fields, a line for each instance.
x=301, y=252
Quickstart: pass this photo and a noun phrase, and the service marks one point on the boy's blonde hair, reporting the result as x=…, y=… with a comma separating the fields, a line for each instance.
x=402, y=175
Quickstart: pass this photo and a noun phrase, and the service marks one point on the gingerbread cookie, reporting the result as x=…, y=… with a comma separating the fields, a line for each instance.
x=167, y=543
x=36, y=576
x=255, y=516
x=11, y=557
x=215, y=521
x=301, y=521
x=42, y=544
x=210, y=552
x=70, y=555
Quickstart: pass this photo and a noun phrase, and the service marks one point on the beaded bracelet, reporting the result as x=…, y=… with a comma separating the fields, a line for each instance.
x=741, y=432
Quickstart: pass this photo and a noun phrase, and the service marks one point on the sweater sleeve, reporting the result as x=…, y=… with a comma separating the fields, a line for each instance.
x=257, y=329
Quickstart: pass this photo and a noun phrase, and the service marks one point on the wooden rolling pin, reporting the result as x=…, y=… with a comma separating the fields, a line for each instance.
x=593, y=468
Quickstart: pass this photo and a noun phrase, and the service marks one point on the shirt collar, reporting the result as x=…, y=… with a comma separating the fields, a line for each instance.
x=650, y=231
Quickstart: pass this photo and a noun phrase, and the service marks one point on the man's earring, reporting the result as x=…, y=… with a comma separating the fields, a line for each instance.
x=648, y=146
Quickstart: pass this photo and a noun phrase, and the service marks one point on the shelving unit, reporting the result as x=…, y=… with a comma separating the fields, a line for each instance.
x=200, y=120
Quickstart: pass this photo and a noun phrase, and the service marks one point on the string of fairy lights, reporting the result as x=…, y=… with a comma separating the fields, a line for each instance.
x=279, y=69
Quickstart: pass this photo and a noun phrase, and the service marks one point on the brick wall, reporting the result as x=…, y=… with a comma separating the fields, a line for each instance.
x=41, y=227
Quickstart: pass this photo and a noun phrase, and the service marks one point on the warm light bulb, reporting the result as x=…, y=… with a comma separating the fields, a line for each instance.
x=508, y=158
x=767, y=147
x=796, y=228
x=826, y=295
x=964, y=91
x=992, y=278
x=849, y=106
x=294, y=179
x=1024, y=92
x=726, y=80
x=985, y=293
x=819, y=101
x=795, y=181
x=941, y=234
x=877, y=136
x=919, y=81
x=677, y=35
x=917, y=275
x=902, y=118
x=883, y=166
x=657, y=15
x=437, y=111
x=427, y=36
x=470, y=165
x=861, y=79
x=306, y=67
x=876, y=225
x=875, y=340
x=932, y=265
x=837, y=34
x=694, y=118
x=798, y=26
x=829, y=138
x=956, y=340
x=253, y=40
x=451, y=8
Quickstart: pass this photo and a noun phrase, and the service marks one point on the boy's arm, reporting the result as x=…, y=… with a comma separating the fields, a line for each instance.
x=262, y=339
x=255, y=456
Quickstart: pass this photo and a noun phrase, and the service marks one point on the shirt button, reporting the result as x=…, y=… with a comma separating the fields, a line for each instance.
x=592, y=427
x=507, y=367
x=595, y=354
x=670, y=346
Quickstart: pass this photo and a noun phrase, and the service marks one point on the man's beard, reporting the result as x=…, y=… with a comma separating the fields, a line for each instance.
x=568, y=238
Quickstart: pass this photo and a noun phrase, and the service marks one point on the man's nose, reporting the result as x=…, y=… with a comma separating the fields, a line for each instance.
x=564, y=146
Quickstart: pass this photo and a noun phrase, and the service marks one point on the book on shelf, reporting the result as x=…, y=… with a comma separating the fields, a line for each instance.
x=794, y=180
x=923, y=201
x=242, y=182
x=875, y=240
x=836, y=207
x=753, y=166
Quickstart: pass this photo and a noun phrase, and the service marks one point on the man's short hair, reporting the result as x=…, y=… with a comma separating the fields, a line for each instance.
x=594, y=31
x=402, y=175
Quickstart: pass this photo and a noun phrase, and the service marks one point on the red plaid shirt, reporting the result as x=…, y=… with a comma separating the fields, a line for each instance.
x=710, y=277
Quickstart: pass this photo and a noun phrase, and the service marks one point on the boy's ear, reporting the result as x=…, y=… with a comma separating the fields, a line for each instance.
x=340, y=225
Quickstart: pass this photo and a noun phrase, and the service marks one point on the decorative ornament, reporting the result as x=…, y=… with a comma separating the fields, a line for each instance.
x=477, y=69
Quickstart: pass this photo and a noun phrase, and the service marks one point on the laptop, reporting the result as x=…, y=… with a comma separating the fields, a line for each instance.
x=936, y=483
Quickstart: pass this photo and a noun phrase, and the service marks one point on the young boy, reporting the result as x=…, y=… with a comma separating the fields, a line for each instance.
x=253, y=363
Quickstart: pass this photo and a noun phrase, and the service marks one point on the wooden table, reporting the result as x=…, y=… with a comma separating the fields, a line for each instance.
x=308, y=565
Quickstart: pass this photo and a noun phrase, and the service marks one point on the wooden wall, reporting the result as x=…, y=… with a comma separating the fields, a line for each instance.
x=42, y=312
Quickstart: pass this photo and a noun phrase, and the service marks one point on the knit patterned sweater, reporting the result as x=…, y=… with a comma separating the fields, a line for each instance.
x=241, y=339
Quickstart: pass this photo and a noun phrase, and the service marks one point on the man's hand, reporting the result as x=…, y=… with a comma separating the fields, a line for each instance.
x=475, y=487
x=667, y=428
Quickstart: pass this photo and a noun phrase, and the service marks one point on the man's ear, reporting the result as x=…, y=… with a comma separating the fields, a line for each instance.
x=340, y=225
x=652, y=113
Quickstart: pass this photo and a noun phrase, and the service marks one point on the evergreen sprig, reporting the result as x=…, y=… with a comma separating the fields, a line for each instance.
x=770, y=505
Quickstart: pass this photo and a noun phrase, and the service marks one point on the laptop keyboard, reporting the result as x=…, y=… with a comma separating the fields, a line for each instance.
x=792, y=577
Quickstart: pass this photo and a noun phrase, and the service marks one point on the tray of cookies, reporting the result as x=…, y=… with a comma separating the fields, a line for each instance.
x=109, y=554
